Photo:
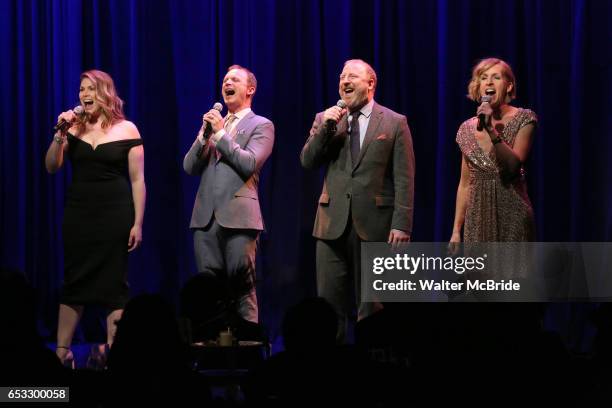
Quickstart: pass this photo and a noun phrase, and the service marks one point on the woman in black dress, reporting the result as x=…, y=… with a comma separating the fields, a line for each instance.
x=104, y=205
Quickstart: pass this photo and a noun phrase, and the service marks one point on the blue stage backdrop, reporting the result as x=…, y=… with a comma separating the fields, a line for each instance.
x=168, y=58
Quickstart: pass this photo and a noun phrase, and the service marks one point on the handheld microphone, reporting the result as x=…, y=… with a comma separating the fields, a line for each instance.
x=331, y=124
x=208, y=129
x=481, y=118
x=63, y=125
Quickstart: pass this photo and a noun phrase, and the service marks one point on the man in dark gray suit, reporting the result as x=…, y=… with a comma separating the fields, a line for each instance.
x=226, y=219
x=368, y=190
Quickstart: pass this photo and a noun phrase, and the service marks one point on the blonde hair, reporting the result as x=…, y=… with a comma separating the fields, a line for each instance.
x=251, y=80
x=106, y=96
x=482, y=66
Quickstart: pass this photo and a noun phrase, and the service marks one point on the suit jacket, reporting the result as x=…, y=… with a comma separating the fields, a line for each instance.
x=229, y=181
x=377, y=190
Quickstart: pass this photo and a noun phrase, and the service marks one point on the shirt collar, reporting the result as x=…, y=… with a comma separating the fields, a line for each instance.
x=366, y=110
x=241, y=114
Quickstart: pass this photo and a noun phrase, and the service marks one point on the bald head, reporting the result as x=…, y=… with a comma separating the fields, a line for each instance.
x=357, y=83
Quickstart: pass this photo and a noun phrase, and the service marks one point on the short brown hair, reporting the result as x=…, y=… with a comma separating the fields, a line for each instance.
x=251, y=80
x=482, y=66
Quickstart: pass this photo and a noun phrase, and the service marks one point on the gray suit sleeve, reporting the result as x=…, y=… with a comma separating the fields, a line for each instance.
x=257, y=150
x=196, y=158
x=314, y=151
x=403, y=178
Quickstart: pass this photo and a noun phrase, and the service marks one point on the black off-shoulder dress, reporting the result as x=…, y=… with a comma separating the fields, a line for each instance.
x=98, y=216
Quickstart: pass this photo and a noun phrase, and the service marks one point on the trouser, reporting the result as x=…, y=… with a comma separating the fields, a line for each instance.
x=339, y=277
x=229, y=253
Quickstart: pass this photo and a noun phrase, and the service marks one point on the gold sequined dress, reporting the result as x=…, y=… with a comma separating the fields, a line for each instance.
x=498, y=210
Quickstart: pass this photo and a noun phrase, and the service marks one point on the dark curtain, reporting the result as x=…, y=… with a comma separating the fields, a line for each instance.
x=168, y=58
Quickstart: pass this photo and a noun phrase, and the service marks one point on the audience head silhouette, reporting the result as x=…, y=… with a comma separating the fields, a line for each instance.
x=311, y=324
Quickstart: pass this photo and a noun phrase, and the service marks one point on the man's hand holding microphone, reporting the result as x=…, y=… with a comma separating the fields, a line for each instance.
x=332, y=116
x=212, y=122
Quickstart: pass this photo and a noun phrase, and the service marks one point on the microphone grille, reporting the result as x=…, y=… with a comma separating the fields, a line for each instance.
x=218, y=106
x=78, y=110
x=486, y=98
x=341, y=104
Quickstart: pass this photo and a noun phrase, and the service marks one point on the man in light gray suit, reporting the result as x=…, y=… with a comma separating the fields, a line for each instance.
x=226, y=219
x=368, y=190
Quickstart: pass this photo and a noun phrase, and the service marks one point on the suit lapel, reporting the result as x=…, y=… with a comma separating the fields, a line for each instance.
x=240, y=127
x=342, y=131
x=239, y=130
x=342, y=125
x=373, y=124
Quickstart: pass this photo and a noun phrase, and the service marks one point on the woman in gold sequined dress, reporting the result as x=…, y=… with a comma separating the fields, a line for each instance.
x=492, y=202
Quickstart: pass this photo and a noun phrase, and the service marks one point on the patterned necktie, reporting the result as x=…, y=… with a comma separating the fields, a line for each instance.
x=355, y=137
x=227, y=126
x=228, y=123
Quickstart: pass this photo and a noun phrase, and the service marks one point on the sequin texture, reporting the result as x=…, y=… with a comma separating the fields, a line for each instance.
x=497, y=210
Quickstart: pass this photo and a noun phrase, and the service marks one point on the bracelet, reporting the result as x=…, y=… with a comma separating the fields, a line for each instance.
x=59, y=139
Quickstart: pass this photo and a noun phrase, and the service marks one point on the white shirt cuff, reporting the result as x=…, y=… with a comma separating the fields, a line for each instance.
x=217, y=136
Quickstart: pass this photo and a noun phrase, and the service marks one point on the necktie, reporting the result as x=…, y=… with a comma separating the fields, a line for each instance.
x=227, y=126
x=355, y=137
x=228, y=122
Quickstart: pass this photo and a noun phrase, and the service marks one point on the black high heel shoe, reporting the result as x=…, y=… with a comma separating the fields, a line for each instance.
x=67, y=359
